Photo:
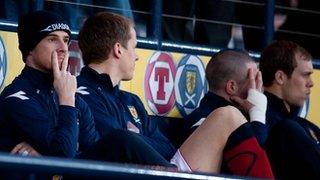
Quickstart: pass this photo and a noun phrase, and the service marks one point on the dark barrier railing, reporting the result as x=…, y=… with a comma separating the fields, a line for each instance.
x=86, y=168
x=268, y=22
x=149, y=43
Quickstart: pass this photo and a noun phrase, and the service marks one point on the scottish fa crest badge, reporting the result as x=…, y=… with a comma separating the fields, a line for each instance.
x=134, y=114
x=191, y=81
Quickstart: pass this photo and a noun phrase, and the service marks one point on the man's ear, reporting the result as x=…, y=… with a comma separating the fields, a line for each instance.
x=231, y=87
x=117, y=51
x=280, y=77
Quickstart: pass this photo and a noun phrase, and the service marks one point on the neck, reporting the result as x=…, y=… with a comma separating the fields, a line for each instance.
x=222, y=94
x=35, y=66
x=275, y=90
x=107, y=68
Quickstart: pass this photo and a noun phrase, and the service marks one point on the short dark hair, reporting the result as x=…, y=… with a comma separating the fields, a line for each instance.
x=280, y=55
x=100, y=32
x=225, y=65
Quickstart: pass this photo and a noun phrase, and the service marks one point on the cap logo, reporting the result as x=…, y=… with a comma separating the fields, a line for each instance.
x=57, y=26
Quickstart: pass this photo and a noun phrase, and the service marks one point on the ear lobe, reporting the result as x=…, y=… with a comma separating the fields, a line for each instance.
x=231, y=87
x=279, y=77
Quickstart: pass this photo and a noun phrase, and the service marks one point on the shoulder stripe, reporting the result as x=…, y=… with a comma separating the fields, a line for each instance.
x=82, y=90
x=19, y=94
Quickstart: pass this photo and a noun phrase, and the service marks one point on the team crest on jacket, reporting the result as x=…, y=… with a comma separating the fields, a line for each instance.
x=159, y=83
x=75, y=59
x=190, y=84
x=3, y=63
x=134, y=114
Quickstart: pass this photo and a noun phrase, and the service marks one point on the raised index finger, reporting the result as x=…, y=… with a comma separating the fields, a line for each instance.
x=259, y=82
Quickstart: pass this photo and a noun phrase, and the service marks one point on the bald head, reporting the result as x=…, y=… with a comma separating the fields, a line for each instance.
x=227, y=65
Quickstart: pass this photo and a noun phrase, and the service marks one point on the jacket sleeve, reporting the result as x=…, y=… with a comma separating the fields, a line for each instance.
x=49, y=133
x=105, y=120
x=88, y=135
x=292, y=153
x=153, y=135
x=261, y=131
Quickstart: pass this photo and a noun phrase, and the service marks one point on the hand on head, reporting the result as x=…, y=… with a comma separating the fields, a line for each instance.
x=256, y=102
x=64, y=83
x=255, y=82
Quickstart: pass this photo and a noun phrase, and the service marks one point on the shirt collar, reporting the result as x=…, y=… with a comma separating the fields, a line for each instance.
x=278, y=103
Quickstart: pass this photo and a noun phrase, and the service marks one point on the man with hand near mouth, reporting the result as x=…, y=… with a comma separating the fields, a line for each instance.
x=40, y=106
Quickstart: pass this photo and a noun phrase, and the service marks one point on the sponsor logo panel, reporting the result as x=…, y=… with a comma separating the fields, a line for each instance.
x=3, y=63
x=159, y=83
x=190, y=84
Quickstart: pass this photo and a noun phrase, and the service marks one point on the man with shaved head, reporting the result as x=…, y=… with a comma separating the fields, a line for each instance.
x=234, y=80
x=228, y=76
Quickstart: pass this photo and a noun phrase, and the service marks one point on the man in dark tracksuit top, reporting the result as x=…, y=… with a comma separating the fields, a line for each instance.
x=293, y=142
x=30, y=112
x=227, y=72
x=40, y=106
x=36, y=107
x=109, y=55
x=117, y=109
x=107, y=63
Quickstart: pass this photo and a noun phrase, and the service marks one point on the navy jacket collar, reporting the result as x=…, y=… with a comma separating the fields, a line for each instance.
x=212, y=99
x=215, y=101
x=99, y=79
x=38, y=78
x=278, y=103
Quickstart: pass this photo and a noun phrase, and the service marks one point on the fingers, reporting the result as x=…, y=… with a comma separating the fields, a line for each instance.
x=64, y=65
x=16, y=149
x=21, y=148
x=259, y=82
x=255, y=80
x=24, y=149
x=54, y=63
x=252, y=82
